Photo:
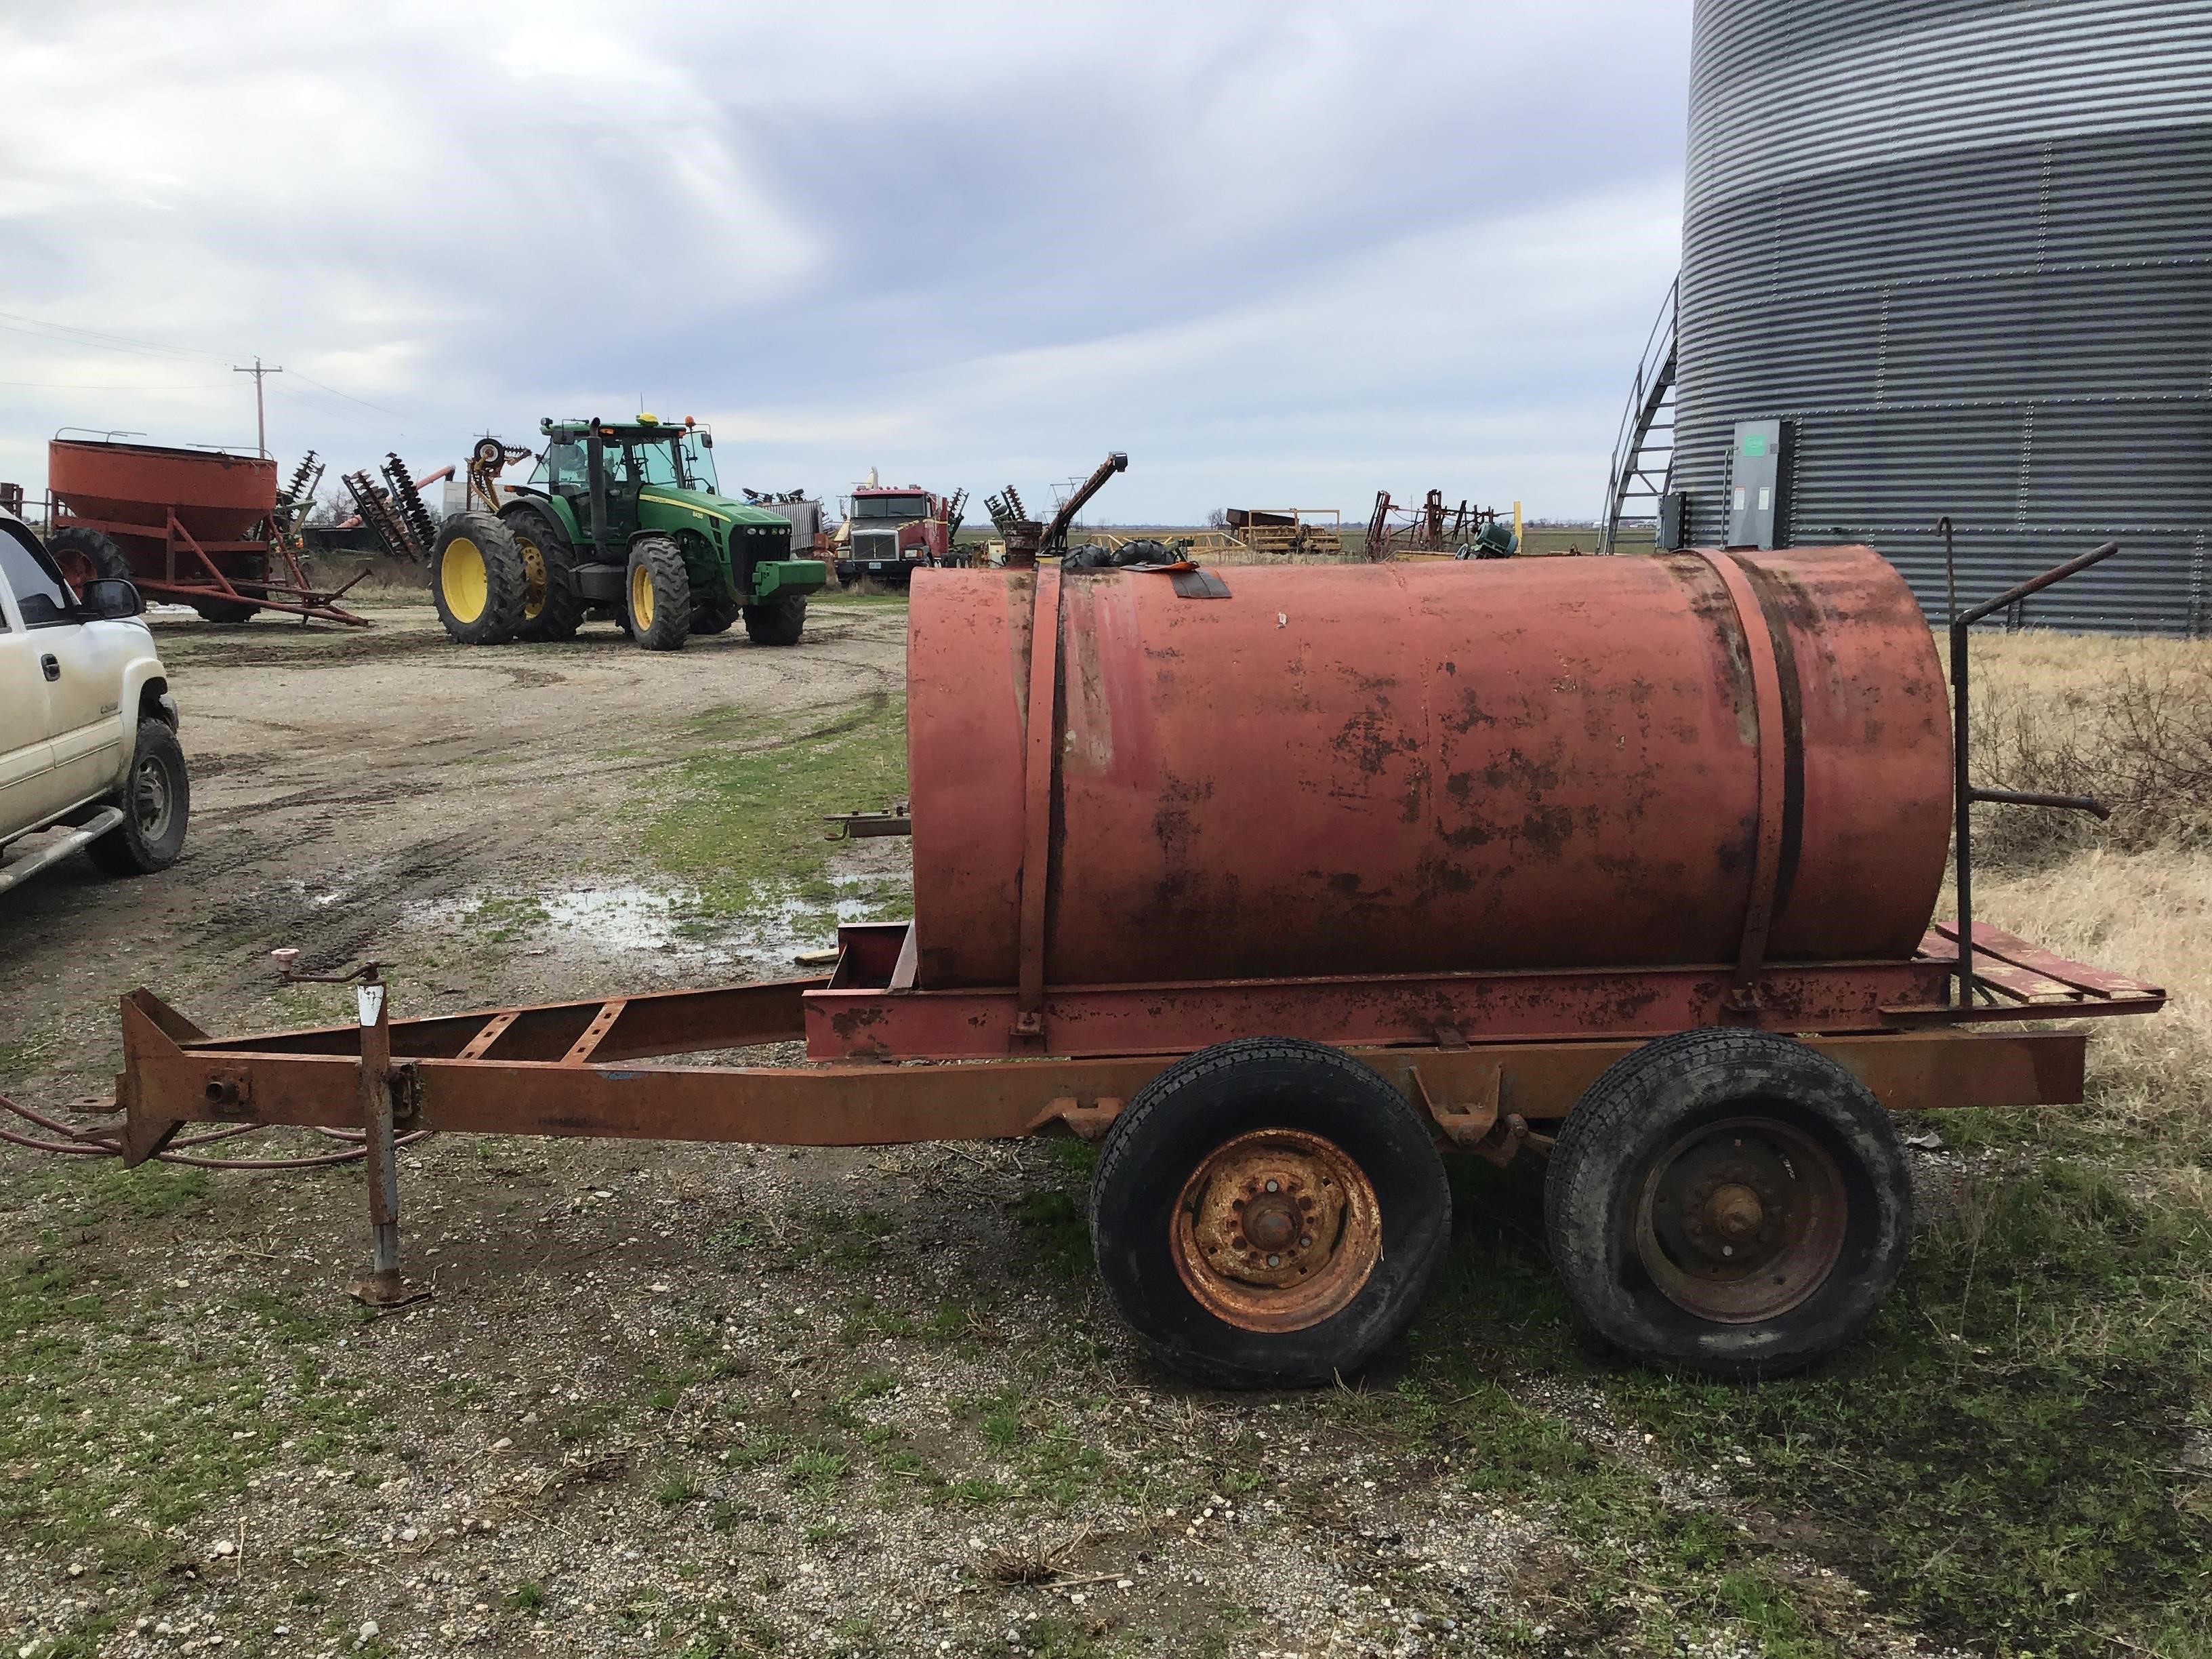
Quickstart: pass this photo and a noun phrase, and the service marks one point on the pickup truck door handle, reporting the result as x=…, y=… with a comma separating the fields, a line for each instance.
x=51, y=666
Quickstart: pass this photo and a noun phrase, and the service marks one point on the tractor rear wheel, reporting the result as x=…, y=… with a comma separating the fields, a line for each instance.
x=477, y=580
x=659, y=594
x=551, y=607
x=86, y=556
x=780, y=622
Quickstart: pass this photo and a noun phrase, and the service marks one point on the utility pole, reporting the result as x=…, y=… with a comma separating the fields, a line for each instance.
x=260, y=416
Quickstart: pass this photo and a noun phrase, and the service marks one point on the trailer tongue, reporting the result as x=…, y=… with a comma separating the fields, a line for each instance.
x=1628, y=861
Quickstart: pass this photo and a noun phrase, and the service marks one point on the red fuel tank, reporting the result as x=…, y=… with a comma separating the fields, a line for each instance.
x=1418, y=768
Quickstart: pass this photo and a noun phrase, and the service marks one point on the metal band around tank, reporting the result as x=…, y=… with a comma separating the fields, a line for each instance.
x=1036, y=802
x=1773, y=736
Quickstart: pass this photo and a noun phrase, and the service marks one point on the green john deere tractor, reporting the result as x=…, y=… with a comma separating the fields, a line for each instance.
x=622, y=519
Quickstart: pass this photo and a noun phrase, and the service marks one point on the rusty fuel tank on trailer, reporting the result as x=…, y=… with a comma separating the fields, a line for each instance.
x=1336, y=770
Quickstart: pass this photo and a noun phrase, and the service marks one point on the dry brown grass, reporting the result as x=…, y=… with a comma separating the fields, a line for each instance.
x=2129, y=720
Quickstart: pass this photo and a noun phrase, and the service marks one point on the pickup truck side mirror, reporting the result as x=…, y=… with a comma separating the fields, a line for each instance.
x=111, y=598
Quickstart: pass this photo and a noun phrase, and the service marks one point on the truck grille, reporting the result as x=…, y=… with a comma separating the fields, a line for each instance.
x=876, y=544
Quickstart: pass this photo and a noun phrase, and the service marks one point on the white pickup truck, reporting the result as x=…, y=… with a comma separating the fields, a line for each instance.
x=87, y=728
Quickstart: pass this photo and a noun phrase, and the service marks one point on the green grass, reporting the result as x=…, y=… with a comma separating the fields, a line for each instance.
x=1997, y=1462
x=113, y=1436
x=741, y=819
x=2000, y=1463
x=505, y=918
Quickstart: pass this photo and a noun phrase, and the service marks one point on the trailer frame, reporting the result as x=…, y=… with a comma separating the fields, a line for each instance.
x=573, y=1068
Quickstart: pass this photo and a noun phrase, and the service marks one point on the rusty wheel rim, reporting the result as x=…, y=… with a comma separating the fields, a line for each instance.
x=1740, y=1220
x=1277, y=1229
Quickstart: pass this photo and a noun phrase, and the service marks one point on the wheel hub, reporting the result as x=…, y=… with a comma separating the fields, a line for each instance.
x=533, y=572
x=463, y=579
x=1742, y=1220
x=1277, y=1229
x=149, y=799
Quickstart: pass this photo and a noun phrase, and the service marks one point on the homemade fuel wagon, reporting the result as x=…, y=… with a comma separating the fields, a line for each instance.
x=1278, y=885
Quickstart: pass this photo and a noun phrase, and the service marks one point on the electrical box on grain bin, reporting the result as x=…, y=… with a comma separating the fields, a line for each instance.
x=1758, y=468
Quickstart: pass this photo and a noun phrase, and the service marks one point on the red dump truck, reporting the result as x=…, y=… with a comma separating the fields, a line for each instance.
x=1282, y=881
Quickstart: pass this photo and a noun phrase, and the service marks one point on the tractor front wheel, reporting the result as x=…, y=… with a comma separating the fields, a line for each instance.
x=659, y=594
x=477, y=580
x=780, y=622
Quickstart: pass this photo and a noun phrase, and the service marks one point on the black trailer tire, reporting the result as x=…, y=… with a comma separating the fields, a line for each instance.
x=551, y=607
x=1727, y=1201
x=1189, y=1163
x=87, y=555
x=658, y=594
x=156, y=800
x=780, y=622
x=477, y=580
x=227, y=612
x=714, y=617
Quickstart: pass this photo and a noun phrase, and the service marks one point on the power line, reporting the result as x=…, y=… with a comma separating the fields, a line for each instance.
x=351, y=398
x=76, y=385
x=15, y=324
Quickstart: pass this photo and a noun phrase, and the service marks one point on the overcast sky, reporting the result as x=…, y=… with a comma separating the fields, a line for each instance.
x=1281, y=254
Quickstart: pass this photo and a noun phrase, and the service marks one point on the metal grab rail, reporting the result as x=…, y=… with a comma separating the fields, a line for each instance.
x=1965, y=794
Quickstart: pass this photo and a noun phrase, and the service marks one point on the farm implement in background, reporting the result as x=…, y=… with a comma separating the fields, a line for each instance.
x=195, y=526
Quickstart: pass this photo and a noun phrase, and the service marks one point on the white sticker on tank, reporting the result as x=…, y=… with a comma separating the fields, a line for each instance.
x=1765, y=496
x=1739, y=498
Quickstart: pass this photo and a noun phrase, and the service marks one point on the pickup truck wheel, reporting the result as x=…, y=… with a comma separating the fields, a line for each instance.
x=780, y=622
x=86, y=556
x=1269, y=1213
x=156, y=800
x=551, y=607
x=1727, y=1201
x=659, y=593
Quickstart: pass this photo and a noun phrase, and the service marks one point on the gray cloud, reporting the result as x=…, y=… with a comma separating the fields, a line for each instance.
x=1283, y=252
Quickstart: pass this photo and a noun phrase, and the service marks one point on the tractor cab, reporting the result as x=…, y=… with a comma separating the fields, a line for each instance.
x=628, y=456
x=625, y=519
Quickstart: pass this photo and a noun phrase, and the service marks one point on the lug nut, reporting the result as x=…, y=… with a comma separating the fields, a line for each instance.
x=1275, y=1261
